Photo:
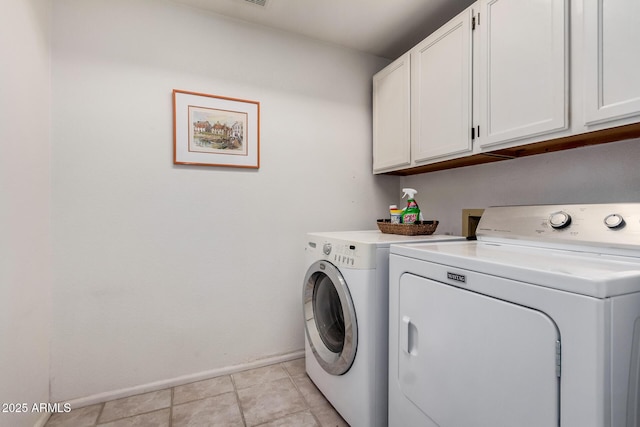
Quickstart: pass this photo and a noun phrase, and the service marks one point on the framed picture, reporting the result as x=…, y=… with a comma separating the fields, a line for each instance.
x=215, y=130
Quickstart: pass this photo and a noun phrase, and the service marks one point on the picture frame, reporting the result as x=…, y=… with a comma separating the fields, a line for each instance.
x=212, y=130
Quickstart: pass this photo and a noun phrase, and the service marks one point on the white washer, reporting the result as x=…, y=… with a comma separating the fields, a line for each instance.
x=535, y=324
x=345, y=303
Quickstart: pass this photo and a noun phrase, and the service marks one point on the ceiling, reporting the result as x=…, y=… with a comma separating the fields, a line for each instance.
x=385, y=28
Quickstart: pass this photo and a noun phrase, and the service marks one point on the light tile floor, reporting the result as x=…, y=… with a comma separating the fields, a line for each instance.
x=277, y=395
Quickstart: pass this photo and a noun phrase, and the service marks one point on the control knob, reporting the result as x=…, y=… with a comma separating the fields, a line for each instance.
x=326, y=248
x=614, y=221
x=559, y=220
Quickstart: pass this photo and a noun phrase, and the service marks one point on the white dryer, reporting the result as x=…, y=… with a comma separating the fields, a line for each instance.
x=537, y=324
x=345, y=304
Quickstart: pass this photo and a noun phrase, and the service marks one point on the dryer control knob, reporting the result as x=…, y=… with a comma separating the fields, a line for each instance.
x=559, y=220
x=326, y=248
x=614, y=221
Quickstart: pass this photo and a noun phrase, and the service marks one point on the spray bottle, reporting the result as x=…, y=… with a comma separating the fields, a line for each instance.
x=411, y=213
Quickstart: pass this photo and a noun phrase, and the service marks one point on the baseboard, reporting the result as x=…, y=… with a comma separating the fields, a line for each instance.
x=185, y=379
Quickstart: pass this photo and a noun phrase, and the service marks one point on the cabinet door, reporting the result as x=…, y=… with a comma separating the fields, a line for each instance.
x=611, y=41
x=523, y=69
x=391, y=133
x=441, y=91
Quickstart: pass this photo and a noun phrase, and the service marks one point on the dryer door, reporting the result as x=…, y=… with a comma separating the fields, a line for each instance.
x=330, y=318
x=466, y=359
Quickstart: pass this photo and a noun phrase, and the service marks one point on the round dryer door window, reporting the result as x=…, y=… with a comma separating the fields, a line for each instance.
x=330, y=318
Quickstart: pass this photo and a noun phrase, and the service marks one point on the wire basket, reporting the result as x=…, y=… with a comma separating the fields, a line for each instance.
x=420, y=228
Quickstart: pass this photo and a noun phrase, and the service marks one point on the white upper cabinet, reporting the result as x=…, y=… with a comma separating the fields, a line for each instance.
x=391, y=126
x=612, y=61
x=441, y=88
x=500, y=72
x=523, y=70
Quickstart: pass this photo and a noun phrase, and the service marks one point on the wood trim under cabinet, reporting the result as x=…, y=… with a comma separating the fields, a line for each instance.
x=604, y=136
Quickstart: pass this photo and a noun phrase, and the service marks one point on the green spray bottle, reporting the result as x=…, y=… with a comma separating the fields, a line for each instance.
x=411, y=213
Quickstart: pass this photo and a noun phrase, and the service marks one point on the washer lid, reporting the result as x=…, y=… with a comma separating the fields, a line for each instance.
x=595, y=275
x=358, y=249
x=378, y=238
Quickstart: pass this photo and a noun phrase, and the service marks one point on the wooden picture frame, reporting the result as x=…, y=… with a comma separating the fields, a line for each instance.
x=211, y=130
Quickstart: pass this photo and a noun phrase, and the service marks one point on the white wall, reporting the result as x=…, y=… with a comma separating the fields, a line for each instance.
x=25, y=250
x=164, y=271
x=600, y=174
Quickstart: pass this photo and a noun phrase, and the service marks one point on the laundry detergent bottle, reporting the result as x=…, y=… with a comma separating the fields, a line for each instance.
x=411, y=213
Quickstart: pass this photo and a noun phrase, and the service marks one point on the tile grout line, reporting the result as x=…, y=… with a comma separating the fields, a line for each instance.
x=283, y=417
x=302, y=395
x=102, y=405
x=288, y=376
x=235, y=392
x=130, y=416
x=173, y=391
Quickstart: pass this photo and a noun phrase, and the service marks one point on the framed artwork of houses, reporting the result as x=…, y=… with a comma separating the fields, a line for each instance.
x=215, y=130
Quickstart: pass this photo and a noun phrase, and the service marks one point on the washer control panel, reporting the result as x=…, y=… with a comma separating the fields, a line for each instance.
x=345, y=255
x=342, y=253
x=615, y=225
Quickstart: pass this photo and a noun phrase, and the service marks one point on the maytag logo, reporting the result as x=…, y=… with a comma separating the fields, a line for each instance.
x=457, y=277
